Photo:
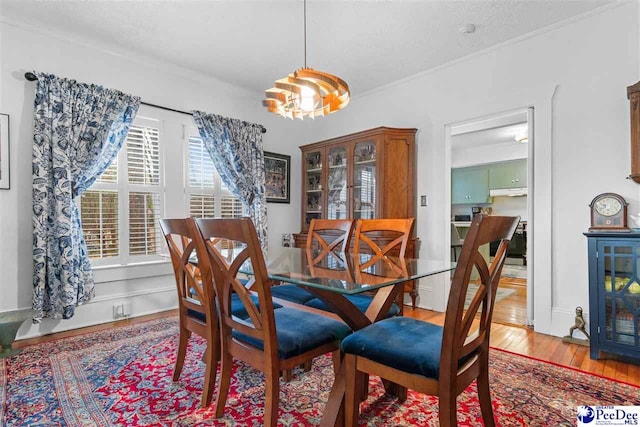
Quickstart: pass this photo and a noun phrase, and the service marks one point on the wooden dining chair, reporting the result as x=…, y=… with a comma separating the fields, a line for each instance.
x=433, y=359
x=363, y=231
x=382, y=237
x=196, y=299
x=269, y=340
x=327, y=235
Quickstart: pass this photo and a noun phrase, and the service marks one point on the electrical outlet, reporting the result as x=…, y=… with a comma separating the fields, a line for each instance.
x=121, y=311
x=423, y=200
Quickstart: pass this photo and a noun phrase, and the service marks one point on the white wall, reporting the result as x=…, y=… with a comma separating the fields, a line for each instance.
x=471, y=156
x=24, y=48
x=575, y=75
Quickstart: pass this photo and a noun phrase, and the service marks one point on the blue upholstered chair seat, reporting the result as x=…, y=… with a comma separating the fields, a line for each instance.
x=237, y=308
x=299, y=331
x=361, y=301
x=402, y=343
x=292, y=293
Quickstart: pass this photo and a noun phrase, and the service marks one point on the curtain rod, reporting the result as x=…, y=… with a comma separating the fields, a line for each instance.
x=32, y=78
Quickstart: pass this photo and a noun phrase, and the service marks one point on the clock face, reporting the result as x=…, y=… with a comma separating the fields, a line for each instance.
x=608, y=206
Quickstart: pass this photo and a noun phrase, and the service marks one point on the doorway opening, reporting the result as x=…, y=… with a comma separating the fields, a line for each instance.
x=491, y=164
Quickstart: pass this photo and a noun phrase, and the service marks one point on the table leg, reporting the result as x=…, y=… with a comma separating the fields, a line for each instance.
x=344, y=308
x=384, y=297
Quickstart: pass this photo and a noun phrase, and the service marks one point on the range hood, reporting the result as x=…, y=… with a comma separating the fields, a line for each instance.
x=509, y=192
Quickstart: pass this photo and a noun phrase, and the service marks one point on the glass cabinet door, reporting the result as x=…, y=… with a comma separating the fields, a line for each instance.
x=313, y=186
x=620, y=306
x=364, y=180
x=337, y=183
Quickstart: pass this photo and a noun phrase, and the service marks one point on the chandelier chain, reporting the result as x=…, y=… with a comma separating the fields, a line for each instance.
x=305, y=33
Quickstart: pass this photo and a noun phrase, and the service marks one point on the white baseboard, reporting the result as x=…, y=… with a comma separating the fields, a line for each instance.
x=424, y=298
x=100, y=310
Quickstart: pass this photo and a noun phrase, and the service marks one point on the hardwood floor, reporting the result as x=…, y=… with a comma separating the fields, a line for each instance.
x=525, y=341
x=521, y=340
x=512, y=310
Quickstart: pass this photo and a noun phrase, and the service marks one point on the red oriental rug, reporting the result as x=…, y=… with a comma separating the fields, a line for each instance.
x=122, y=377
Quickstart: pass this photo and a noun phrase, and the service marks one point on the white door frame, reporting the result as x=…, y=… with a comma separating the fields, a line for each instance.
x=540, y=233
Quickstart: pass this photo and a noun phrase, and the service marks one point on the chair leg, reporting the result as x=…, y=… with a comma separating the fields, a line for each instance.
x=363, y=383
x=448, y=411
x=336, y=357
x=183, y=341
x=211, y=366
x=224, y=381
x=395, y=389
x=272, y=397
x=484, y=395
x=287, y=374
x=307, y=365
x=353, y=391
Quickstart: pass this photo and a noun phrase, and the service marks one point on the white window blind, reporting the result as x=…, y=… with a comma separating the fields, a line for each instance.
x=120, y=212
x=143, y=156
x=200, y=167
x=202, y=205
x=207, y=196
x=144, y=231
x=230, y=207
x=100, y=223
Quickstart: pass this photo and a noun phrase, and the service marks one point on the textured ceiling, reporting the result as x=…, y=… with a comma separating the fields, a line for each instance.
x=252, y=43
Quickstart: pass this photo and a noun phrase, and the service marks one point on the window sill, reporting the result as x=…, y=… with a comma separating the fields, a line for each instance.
x=114, y=273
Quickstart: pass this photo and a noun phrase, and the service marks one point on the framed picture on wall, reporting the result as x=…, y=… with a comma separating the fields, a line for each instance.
x=277, y=168
x=4, y=151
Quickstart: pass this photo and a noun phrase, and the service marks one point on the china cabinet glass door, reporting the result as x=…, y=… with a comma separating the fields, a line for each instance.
x=620, y=315
x=364, y=180
x=313, y=186
x=337, y=183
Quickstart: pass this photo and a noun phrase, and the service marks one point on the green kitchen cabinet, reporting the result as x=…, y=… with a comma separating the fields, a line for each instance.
x=511, y=174
x=470, y=185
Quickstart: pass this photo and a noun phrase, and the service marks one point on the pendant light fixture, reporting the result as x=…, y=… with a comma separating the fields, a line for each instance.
x=307, y=92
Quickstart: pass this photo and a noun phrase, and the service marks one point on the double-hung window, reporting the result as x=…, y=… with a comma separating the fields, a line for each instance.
x=120, y=211
x=207, y=196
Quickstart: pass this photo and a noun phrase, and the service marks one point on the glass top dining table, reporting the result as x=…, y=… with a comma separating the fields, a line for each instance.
x=333, y=277
x=345, y=272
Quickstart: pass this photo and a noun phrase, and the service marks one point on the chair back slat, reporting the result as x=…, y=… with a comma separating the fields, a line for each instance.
x=467, y=329
x=241, y=234
x=329, y=265
x=329, y=235
x=369, y=230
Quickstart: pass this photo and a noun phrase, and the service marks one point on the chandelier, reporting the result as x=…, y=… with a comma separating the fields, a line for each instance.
x=307, y=92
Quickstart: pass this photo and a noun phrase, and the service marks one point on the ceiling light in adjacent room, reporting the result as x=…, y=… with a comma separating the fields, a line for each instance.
x=307, y=92
x=468, y=29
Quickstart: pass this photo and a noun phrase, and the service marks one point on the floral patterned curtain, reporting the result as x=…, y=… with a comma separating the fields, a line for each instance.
x=78, y=131
x=236, y=149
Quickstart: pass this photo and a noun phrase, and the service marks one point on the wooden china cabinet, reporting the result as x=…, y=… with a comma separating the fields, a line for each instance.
x=369, y=174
